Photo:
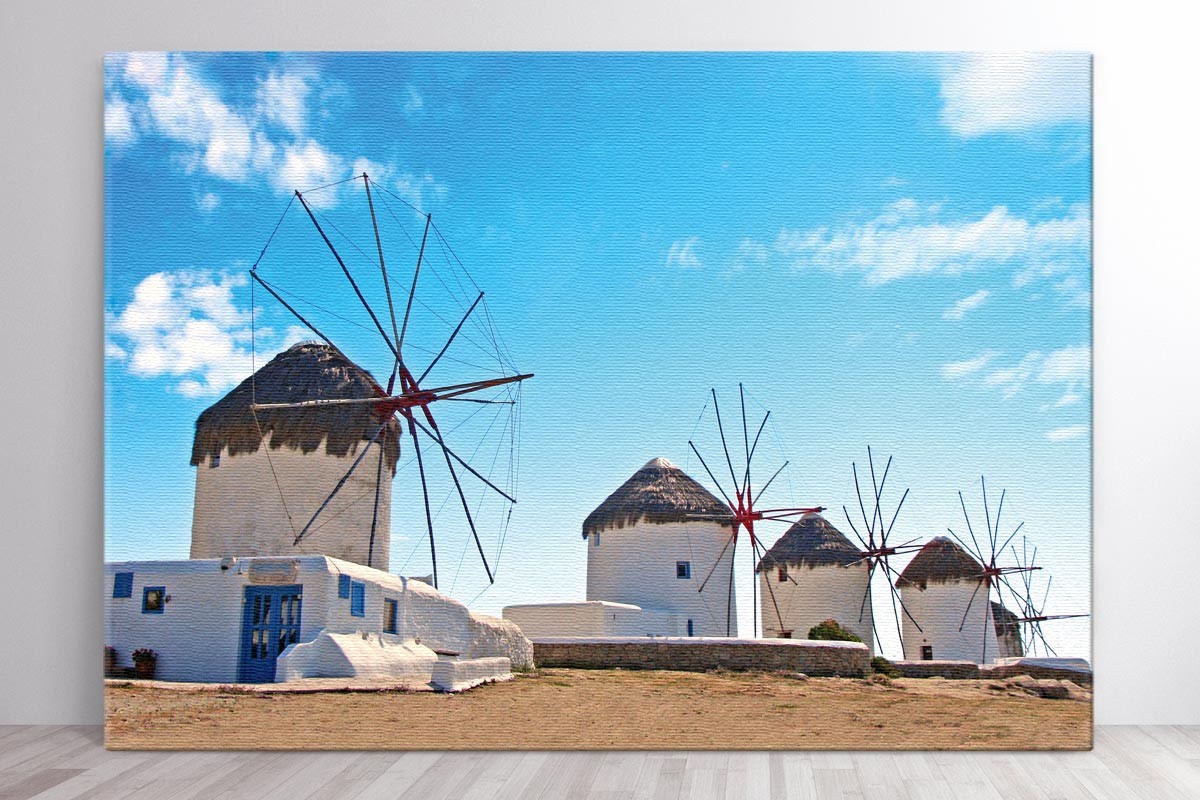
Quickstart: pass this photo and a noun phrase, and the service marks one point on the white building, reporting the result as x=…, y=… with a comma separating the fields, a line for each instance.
x=253, y=604
x=650, y=545
x=260, y=476
x=943, y=590
x=256, y=620
x=813, y=573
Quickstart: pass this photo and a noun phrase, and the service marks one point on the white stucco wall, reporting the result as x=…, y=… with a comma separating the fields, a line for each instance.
x=198, y=635
x=939, y=609
x=636, y=565
x=593, y=618
x=238, y=510
x=819, y=593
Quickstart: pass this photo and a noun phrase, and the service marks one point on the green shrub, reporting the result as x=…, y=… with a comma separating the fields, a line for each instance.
x=881, y=665
x=831, y=631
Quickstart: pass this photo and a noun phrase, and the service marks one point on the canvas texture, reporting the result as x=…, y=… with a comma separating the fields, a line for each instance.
x=597, y=401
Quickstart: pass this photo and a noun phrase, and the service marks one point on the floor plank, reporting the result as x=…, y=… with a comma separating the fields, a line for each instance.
x=69, y=763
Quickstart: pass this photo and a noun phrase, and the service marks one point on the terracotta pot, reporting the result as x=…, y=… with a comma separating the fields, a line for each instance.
x=110, y=662
x=144, y=669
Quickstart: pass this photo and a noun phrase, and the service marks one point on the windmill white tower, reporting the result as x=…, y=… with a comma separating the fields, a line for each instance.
x=943, y=588
x=812, y=574
x=653, y=540
x=261, y=476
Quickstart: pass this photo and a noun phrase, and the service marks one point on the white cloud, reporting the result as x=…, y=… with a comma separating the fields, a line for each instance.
x=1070, y=366
x=146, y=69
x=1013, y=379
x=186, y=326
x=413, y=103
x=750, y=253
x=965, y=305
x=283, y=99
x=907, y=239
x=306, y=165
x=1067, y=433
x=208, y=201
x=683, y=254
x=118, y=122
x=1015, y=92
x=961, y=369
x=415, y=189
x=1067, y=369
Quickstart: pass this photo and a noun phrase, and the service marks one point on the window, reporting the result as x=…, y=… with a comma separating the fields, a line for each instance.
x=214, y=461
x=389, y=615
x=123, y=584
x=683, y=569
x=358, y=593
x=782, y=574
x=343, y=586
x=154, y=598
x=691, y=628
x=927, y=652
x=597, y=538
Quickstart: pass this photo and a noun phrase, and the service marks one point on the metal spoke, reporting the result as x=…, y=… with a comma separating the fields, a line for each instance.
x=341, y=482
x=449, y=341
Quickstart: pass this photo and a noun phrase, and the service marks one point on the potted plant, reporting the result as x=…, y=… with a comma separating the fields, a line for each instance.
x=110, y=661
x=144, y=662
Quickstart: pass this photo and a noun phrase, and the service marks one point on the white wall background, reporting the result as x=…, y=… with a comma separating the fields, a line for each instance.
x=1147, y=285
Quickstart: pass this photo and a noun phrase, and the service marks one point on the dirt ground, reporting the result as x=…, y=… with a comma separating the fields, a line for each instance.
x=558, y=709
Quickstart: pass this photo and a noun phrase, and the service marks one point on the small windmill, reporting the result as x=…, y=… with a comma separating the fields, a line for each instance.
x=877, y=551
x=412, y=405
x=994, y=576
x=1032, y=613
x=741, y=501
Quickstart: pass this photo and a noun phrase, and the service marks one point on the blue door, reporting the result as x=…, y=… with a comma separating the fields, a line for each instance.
x=270, y=622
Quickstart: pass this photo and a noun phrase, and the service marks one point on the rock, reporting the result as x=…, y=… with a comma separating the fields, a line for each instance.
x=798, y=676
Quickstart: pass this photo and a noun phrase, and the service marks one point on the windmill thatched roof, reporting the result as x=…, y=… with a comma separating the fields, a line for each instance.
x=811, y=542
x=940, y=561
x=658, y=492
x=306, y=371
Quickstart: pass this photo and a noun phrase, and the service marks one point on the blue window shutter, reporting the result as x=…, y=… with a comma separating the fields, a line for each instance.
x=357, y=599
x=343, y=586
x=691, y=629
x=123, y=584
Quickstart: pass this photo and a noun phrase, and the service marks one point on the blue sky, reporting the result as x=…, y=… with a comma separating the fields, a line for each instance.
x=886, y=249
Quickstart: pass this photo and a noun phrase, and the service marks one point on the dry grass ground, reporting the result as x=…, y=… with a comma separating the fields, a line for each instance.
x=558, y=709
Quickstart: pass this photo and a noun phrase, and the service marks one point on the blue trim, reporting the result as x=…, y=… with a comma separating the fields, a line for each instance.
x=597, y=535
x=358, y=593
x=683, y=570
x=162, y=601
x=123, y=584
x=691, y=629
x=343, y=586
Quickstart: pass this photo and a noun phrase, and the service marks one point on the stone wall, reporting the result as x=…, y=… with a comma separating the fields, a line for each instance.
x=696, y=654
x=956, y=670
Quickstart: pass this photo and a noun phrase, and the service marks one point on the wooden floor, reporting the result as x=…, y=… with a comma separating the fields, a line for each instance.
x=1152, y=763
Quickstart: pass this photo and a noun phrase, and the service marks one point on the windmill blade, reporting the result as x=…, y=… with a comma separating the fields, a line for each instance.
x=729, y=597
x=971, y=530
x=895, y=613
x=412, y=293
x=965, y=546
x=999, y=509
x=767, y=485
x=422, y=397
x=889, y=570
x=462, y=461
x=745, y=440
x=450, y=341
x=970, y=603
x=710, y=474
x=462, y=497
x=349, y=277
x=295, y=313
x=753, y=448
x=341, y=482
x=987, y=517
x=888, y=531
x=1010, y=538
x=412, y=429
x=721, y=430
x=713, y=568
x=987, y=615
x=387, y=287
x=878, y=488
x=856, y=533
x=375, y=512
x=767, y=581
x=862, y=606
x=866, y=524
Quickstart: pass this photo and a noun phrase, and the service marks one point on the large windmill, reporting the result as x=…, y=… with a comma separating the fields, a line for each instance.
x=877, y=550
x=993, y=580
x=407, y=398
x=742, y=498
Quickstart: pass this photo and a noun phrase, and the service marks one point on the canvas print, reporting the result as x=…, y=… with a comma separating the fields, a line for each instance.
x=597, y=401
